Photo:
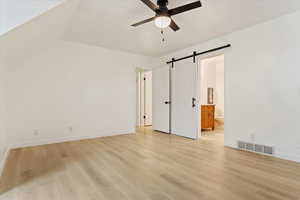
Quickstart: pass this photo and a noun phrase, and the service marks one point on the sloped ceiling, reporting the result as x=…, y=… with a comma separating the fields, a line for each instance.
x=17, y=12
x=107, y=23
x=37, y=35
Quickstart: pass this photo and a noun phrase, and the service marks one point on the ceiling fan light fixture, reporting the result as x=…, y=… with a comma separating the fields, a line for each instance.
x=163, y=14
x=162, y=21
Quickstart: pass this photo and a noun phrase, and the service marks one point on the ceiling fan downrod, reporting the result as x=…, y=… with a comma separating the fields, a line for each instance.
x=162, y=3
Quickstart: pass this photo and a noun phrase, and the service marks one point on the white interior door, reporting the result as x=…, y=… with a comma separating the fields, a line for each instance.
x=160, y=93
x=184, y=103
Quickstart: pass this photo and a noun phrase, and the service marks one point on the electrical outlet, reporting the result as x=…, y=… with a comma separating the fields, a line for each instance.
x=36, y=132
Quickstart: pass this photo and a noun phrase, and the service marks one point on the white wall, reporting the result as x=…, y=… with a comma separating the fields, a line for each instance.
x=212, y=76
x=37, y=35
x=16, y=12
x=2, y=16
x=262, y=85
x=71, y=91
x=59, y=90
x=3, y=142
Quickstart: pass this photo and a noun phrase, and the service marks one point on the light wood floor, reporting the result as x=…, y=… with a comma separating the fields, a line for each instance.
x=145, y=166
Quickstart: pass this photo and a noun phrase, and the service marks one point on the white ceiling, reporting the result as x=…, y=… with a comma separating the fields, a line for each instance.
x=107, y=23
x=16, y=12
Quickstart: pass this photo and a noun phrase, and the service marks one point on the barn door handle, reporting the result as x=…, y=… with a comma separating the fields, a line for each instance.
x=193, y=102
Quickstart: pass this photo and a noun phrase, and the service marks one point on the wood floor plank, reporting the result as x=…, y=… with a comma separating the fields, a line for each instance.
x=147, y=165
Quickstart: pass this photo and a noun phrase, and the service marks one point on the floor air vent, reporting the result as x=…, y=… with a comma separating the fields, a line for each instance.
x=255, y=148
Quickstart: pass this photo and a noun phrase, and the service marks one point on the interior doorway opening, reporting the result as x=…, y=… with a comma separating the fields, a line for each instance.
x=181, y=92
x=144, y=98
x=211, y=96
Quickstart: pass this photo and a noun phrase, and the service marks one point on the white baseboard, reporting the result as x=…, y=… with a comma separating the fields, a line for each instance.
x=288, y=157
x=61, y=140
x=3, y=161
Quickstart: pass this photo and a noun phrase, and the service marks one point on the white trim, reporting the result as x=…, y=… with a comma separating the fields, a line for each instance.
x=138, y=98
x=219, y=117
x=287, y=157
x=61, y=140
x=3, y=161
x=198, y=82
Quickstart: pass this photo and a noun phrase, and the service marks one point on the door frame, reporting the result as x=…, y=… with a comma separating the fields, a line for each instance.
x=198, y=88
x=140, y=96
x=147, y=83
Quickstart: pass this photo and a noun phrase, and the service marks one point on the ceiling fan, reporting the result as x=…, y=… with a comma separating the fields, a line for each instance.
x=163, y=15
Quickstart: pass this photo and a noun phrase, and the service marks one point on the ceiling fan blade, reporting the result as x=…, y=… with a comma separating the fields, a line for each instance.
x=184, y=8
x=151, y=5
x=143, y=22
x=174, y=26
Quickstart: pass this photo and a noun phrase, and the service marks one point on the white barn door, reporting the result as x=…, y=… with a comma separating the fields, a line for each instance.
x=184, y=104
x=160, y=93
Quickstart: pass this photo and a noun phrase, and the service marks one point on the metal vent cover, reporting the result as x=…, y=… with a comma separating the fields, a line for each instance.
x=268, y=150
x=259, y=148
x=241, y=145
x=250, y=146
x=255, y=148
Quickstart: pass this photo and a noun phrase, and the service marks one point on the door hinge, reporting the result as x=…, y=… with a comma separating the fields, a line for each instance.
x=193, y=102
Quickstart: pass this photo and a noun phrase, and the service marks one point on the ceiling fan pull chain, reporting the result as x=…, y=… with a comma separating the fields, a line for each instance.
x=162, y=35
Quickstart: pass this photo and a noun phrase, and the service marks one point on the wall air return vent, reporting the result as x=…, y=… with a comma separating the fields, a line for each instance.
x=249, y=146
x=268, y=150
x=255, y=148
x=258, y=148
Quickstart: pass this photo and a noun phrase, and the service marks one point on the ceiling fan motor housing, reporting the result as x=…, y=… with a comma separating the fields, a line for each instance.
x=162, y=3
x=163, y=10
x=163, y=15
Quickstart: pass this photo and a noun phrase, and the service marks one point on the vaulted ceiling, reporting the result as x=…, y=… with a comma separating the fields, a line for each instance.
x=107, y=23
x=13, y=13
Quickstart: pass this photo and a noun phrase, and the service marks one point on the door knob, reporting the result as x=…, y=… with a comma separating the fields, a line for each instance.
x=167, y=102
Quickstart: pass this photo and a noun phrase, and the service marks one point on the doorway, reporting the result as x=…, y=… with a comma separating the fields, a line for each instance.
x=179, y=99
x=144, y=98
x=211, y=96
